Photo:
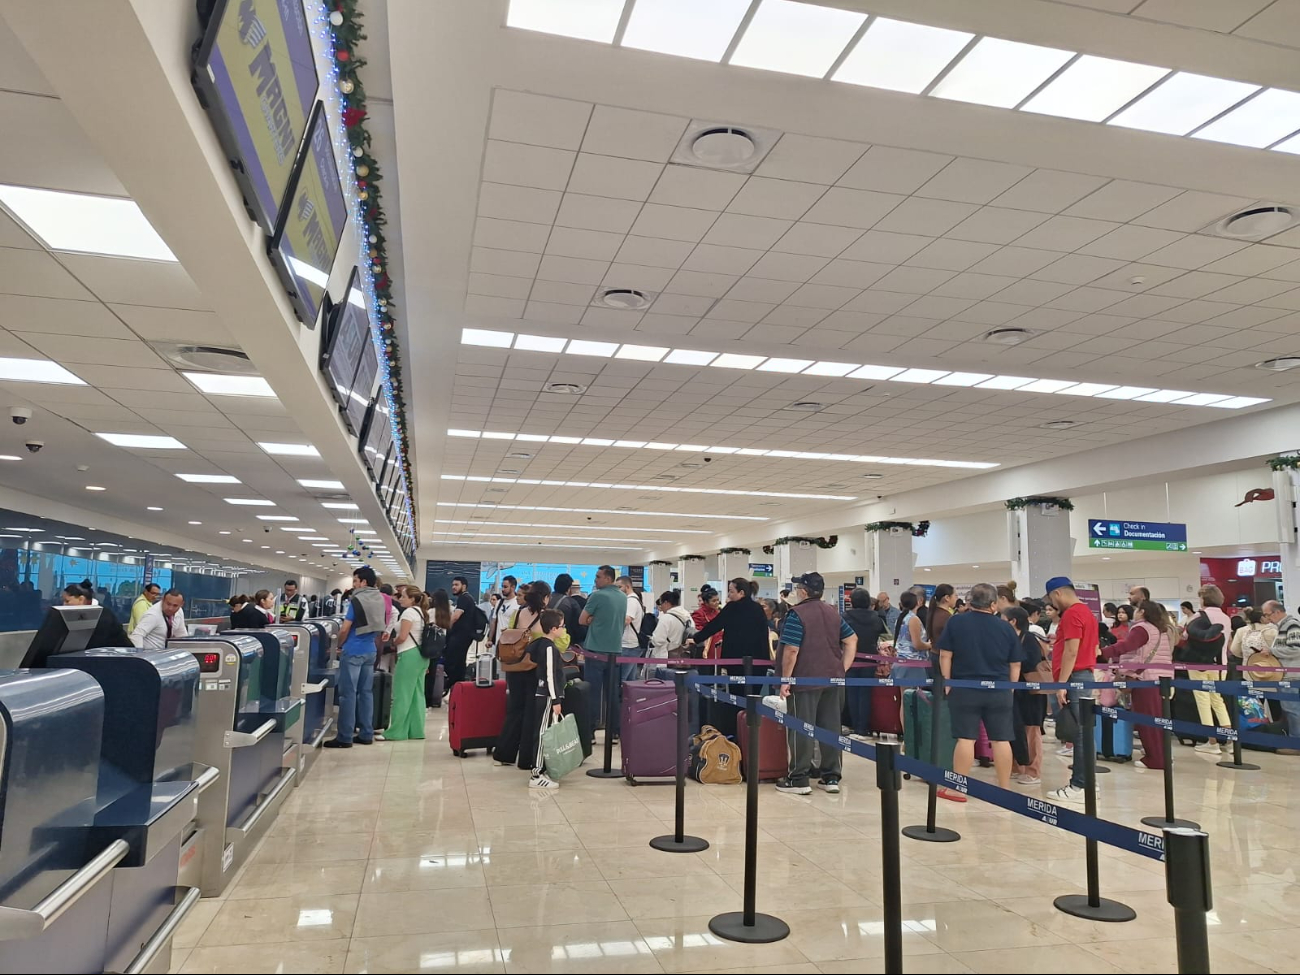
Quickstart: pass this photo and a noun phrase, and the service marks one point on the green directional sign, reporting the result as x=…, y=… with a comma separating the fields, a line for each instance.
x=1137, y=545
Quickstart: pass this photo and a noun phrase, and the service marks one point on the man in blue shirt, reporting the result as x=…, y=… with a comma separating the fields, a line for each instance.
x=363, y=620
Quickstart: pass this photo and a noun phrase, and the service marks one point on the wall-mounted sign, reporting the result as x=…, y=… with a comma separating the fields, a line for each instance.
x=762, y=570
x=1147, y=536
x=1264, y=567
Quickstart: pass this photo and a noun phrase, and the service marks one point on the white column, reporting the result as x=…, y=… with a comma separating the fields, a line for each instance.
x=1041, y=547
x=1286, y=485
x=794, y=559
x=658, y=578
x=890, y=560
x=733, y=565
x=690, y=577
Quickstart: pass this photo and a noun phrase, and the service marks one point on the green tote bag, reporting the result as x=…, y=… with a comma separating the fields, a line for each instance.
x=561, y=747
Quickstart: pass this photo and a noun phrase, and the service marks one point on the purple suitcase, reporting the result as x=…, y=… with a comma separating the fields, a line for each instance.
x=649, y=730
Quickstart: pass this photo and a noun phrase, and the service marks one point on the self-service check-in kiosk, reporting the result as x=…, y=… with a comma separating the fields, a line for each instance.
x=242, y=715
x=317, y=689
x=97, y=787
x=284, y=674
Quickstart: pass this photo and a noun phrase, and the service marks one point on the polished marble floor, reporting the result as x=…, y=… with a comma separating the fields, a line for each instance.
x=403, y=858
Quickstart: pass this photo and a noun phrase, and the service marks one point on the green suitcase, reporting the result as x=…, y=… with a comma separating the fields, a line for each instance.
x=917, y=729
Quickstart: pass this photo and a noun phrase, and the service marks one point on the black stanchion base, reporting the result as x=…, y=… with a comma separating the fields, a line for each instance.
x=1101, y=770
x=765, y=929
x=1076, y=905
x=605, y=773
x=689, y=844
x=1159, y=822
x=1239, y=766
x=938, y=835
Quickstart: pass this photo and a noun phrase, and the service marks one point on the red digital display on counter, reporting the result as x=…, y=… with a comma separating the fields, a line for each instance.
x=209, y=663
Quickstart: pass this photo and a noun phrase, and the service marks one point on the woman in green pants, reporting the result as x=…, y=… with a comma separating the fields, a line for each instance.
x=407, y=721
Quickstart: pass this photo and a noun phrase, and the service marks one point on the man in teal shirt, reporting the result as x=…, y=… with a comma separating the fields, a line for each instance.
x=605, y=616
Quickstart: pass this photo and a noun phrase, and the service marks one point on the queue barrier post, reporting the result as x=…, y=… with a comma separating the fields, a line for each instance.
x=607, y=771
x=679, y=842
x=1235, y=762
x=930, y=833
x=1187, y=888
x=1169, y=820
x=1091, y=906
x=889, y=783
x=748, y=926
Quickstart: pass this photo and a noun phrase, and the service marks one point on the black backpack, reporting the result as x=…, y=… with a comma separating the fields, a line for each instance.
x=646, y=630
x=480, y=623
x=433, y=641
x=1205, y=641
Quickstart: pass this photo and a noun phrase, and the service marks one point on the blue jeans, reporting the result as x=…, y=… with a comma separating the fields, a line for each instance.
x=356, y=696
x=1291, y=711
x=629, y=671
x=859, y=702
x=1074, y=698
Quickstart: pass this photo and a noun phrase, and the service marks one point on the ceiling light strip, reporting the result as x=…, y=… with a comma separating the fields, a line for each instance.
x=595, y=511
x=607, y=486
x=585, y=538
x=608, y=528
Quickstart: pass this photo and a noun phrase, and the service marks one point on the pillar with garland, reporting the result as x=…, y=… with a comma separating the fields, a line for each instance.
x=1286, y=490
x=1038, y=535
x=690, y=579
x=659, y=577
x=890, y=560
x=733, y=563
x=796, y=555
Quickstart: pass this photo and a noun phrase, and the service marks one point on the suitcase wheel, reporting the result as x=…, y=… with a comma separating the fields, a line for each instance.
x=986, y=763
x=458, y=753
x=631, y=781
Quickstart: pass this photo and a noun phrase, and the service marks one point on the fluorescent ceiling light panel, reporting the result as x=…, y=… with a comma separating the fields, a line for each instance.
x=1182, y=102
x=486, y=337
x=276, y=518
x=901, y=56
x=737, y=360
x=1087, y=389
x=219, y=384
x=1093, y=89
x=468, y=536
x=339, y=505
x=86, y=224
x=875, y=372
x=142, y=441
x=1126, y=392
x=685, y=28
x=1202, y=399
x=251, y=502
x=1000, y=73
x=920, y=375
x=584, y=347
x=642, y=353
x=1165, y=396
x=963, y=379
x=796, y=38
x=539, y=343
x=356, y=521
x=587, y=20
x=785, y=365
x=289, y=449
x=595, y=511
x=1269, y=116
x=835, y=369
x=36, y=371
x=1006, y=382
x=1048, y=386
x=690, y=357
x=209, y=478
x=497, y=435
x=658, y=487
x=309, y=482
x=1238, y=402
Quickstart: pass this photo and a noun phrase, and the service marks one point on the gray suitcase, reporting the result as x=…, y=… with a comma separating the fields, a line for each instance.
x=485, y=670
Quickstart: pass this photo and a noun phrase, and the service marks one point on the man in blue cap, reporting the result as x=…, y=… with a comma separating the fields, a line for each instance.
x=1074, y=655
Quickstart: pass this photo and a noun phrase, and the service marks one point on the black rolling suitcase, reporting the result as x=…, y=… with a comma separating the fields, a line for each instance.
x=383, y=692
x=1183, y=708
x=577, y=702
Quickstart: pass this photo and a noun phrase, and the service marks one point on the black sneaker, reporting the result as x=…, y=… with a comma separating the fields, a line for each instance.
x=831, y=785
x=364, y=741
x=786, y=785
x=335, y=743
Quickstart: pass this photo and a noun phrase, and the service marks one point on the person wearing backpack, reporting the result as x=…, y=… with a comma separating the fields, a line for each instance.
x=632, y=645
x=1257, y=636
x=1207, y=644
x=466, y=628
x=407, y=719
x=673, y=627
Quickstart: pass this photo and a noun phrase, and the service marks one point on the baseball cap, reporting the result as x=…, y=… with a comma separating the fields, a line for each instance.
x=1058, y=582
x=811, y=582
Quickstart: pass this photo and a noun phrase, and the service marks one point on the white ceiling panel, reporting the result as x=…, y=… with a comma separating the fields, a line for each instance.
x=155, y=283
x=633, y=135
x=37, y=274
x=538, y=120
x=810, y=159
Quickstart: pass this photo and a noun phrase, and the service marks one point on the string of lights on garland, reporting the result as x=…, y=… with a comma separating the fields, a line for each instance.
x=339, y=26
x=1284, y=462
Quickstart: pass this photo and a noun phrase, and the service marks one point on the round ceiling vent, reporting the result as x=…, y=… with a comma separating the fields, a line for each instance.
x=874, y=476
x=519, y=455
x=807, y=406
x=625, y=299
x=1058, y=425
x=1280, y=364
x=1257, y=223
x=1009, y=336
x=567, y=389
x=207, y=358
x=723, y=146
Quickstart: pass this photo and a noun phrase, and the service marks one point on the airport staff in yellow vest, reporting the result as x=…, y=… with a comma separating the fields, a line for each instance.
x=142, y=603
x=292, y=607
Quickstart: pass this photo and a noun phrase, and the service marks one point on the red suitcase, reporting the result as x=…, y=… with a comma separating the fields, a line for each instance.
x=887, y=710
x=475, y=716
x=648, y=732
x=773, y=749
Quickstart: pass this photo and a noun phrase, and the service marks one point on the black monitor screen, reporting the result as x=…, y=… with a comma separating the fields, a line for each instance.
x=311, y=222
x=379, y=436
x=256, y=75
x=346, y=351
x=65, y=629
x=363, y=386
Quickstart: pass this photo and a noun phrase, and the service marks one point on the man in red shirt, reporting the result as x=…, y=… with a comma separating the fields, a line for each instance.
x=1074, y=655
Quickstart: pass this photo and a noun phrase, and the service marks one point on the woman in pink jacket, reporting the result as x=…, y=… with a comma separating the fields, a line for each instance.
x=1145, y=653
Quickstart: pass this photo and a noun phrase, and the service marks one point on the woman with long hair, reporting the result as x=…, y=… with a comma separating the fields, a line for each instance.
x=517, y=743
x=439, y=616
x=1145, y=654
x=704, y=614
x=256, y=613
x=407, y=719
x=910, y=641
x=1123, y=621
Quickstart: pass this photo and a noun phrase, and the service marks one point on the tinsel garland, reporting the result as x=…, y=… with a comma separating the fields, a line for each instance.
x=1284, y=462
x=659, y=562
x=692, y=558
x=918, y=530
x=830, y=542
x=733, y=551
x=1015, y=504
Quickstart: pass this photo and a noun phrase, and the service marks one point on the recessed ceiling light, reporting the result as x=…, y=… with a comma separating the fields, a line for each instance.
x=1164, y=396
x=1239, y=402
x=873, y=476
x=251, y=502
x=834, y=369
x=806, y=406
x=94, y=487
x=1048, y=386
x=641, y=353
x=357, y=521
x=796, y=38
x=919, y=375
x=603, y=350
x=685, y=28
x=875, y=372
x=1181, y=103
x=963, y=379
x=690, y=357
x=86, y=224
x=142, y=441
x=785, y=365
x=277, y=518
x=290, y=449
x=1092, y=89
x=539, y=343
x=1000, y=73
x=1280, y=364
x=900, y=56
x=520, y=455
x=1057, y=424
x=497, y=435
x=196, y=522
x=340, y=505
x=153, y=507
x=624, y=299
x=1201, y=399
x=486, y=337
x=737, y=360
x=308, y=482
x=36, y=371
x=9, y=457
x=1126, y=392
x=1005, y=382
x=219, y=384
x=208, y=478
x=1087, y=389
x=587, y=20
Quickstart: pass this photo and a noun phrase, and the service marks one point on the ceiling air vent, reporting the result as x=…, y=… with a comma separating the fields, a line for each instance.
x=206, y=358
x=724, y=145
x=1256, y=223
x=1009, y=336
x=1280, y=364
x=566, y=389
x=624, y=299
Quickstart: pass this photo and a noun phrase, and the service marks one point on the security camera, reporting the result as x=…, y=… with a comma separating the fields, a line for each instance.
x=266, y=528
x=20, y=415
x=35, y=445
x=708, y=460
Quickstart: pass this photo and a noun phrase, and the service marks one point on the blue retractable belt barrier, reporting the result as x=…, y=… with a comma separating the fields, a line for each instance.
x=1191, y=729
x=1285, y=690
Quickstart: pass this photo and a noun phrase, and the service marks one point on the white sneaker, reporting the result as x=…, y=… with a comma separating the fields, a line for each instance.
x=1025, y=779
x=1209, y=748
x=1066, y=749
x=1067, y=794
x=542, y=782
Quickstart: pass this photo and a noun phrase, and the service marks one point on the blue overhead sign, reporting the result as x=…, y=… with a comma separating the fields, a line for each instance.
x=1149, y=536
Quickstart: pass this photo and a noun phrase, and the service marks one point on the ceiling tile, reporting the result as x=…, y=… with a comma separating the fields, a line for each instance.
x=1137, y=277
x=158, y=283
x=890, y=170
x=1049, y=191
x=762, y=289
x=1195, y=284
x=937, y=307
x=562, y=292
x=851, y=274
x=1191, y=211
x=1279, y=23
x=1015, y=261
x=1122, y=200
x=610, y=318
x=1064, y=233
x=1254, y=259
x=654, y=252
x=1197, y=311
x=682, y=305
x=742, y=230
x=36, y=274
x=522, y=165
x=854, y=322
x=876, y=303
x=952, y=255
x=1088, y=299
x=1077, y=269
x=810, y=159
x=794, y=315
x=703, y=189
x=1131, y=242
x=996, y=225
x=597, y=213
x=845, y=207
x=499, y=285
x=782, y=198
x=12, y=235
x=819, y=239
x=557, y=314
x=912, y=280
x=675, y=223
x=722, y=260
x=1250, y=291
x=511, y=235
x=825, y=296
x=593, y=245
x=1029, y=292
x=518, y=203
x=740, y=311
x=991, y=312
x=973, y=285
x=788, y=267
x=973, y=180
x=701, y=284
x=574, y=270
x=666, y=324
x=495, y=261
x=1216, y=15
x=1194, y=251
x=124, y=377
x=922, y=216
x=885, y=248
x=538, y=120
x=624, y=179
x=632, y=134
x=494, y=307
